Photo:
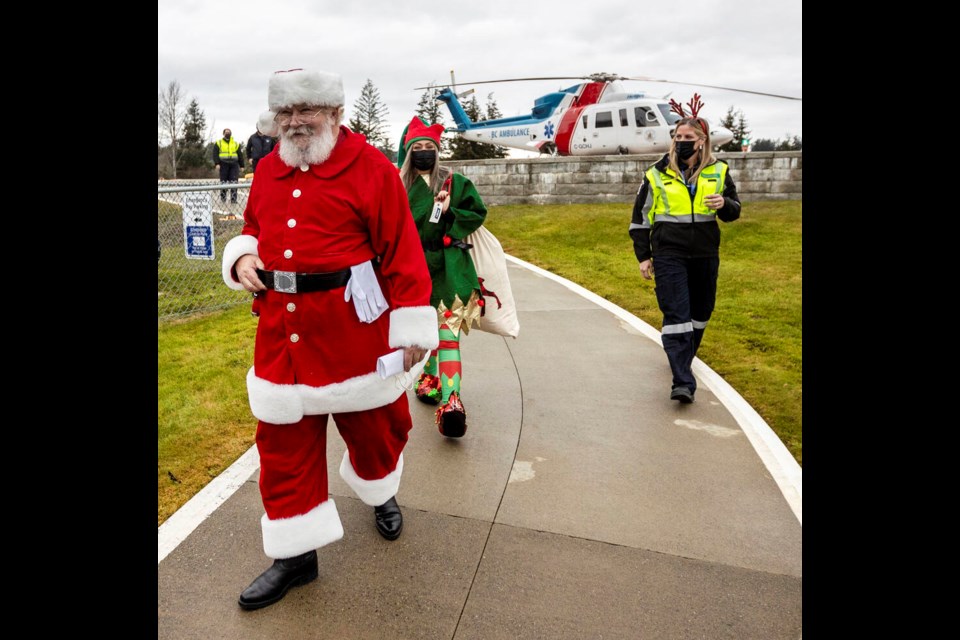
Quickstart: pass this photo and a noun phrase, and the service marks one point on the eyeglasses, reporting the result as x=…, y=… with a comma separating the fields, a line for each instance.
x=307, y=114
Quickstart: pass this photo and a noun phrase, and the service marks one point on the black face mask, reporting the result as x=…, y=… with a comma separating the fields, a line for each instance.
x=685, y=149
x=423, y=160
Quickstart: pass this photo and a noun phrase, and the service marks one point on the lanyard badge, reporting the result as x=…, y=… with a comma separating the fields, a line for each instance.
x=438, y=204
x=437, y=210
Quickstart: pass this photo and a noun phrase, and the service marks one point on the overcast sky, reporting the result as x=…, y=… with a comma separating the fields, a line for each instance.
x=223, y=53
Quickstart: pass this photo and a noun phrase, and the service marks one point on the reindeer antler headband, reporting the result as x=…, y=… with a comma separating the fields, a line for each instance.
x=695, y=105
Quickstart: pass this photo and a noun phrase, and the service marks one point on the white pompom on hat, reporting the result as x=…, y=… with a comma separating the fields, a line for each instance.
x=267, y=125
x=301, y=87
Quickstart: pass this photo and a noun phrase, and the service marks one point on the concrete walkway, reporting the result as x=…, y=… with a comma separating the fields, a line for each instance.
x=582, y=503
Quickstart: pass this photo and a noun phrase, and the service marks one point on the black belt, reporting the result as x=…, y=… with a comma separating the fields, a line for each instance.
x=290, y=282
x=436, y=245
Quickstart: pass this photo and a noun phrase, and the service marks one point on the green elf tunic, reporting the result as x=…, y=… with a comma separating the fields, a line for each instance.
x=455, y=284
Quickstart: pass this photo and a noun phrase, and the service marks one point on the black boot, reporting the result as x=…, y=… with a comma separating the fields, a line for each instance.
x=389, y=519
x=271, y=585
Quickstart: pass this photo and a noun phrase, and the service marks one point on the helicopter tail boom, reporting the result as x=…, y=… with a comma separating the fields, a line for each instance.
x=544, y=108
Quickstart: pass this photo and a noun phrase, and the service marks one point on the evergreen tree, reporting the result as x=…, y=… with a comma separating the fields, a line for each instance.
x=194, y=159
x=388, y=150
x=429, y=107
x=737, y=124
x=369, y=116
x=789, y=143
x=763, y=144
x=741, y=132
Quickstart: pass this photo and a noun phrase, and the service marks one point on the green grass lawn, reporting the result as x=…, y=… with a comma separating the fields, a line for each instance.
x=754, y=340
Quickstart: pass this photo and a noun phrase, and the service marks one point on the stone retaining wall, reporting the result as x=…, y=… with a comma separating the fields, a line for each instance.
x=761, y=175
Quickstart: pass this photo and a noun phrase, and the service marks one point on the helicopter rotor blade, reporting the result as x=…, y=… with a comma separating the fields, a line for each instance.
x=506, y=80
x=712, y=86
x=610, y=77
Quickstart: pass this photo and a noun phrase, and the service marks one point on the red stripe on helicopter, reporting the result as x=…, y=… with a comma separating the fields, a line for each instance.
x=568, y=121
x=589, y=94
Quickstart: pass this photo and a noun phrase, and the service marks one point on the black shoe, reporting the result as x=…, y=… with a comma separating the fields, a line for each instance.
x=389, y=519
x=683, y=394
x=452, y=417
x=271, y=585
x=453, y=424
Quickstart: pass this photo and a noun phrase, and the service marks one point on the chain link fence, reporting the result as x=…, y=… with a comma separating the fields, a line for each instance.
x=195, y=220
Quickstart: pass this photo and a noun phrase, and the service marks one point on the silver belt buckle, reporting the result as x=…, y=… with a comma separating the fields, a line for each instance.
x=285, y=281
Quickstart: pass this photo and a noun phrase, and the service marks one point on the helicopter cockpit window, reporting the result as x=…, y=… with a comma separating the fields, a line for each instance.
x=645, y=117
x=672, y=118
x=623, y=118
x=604, y=119
x=640, y=115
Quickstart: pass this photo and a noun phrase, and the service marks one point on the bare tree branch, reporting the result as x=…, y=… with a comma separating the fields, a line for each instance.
x=171, y=119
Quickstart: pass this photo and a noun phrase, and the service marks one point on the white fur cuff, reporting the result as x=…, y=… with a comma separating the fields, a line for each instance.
x=237, y=247
x=414, y=327
x=371, y=492
x=288, y=537
x=288, y=403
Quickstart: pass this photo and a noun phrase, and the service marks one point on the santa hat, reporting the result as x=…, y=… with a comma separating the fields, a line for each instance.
x=418, y=130
x=301, y=87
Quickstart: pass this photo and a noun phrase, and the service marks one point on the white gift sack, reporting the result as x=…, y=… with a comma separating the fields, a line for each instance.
x=491, y=265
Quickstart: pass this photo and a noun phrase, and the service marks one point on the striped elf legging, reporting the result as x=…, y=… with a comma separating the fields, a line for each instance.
x=445, y=362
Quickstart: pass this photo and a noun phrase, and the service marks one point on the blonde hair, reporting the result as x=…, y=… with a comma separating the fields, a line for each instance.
x=702, y=131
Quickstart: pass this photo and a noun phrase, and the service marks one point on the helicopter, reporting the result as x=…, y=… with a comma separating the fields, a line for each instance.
x=596, y=117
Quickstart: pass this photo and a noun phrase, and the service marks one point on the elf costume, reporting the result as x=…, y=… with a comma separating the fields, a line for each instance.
x=456, y=294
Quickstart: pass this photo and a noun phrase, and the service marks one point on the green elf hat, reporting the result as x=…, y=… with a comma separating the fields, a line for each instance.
x=418, y=129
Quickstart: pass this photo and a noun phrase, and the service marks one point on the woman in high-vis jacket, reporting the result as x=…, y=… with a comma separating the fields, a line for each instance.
x=674, y=228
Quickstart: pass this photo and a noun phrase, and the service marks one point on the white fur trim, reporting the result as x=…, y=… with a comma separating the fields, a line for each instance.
x=267, y=125
x=414, y=327
x=288, y=403
x=288, y=537
x=234, y=249
x=300, y=87
x=372, y=492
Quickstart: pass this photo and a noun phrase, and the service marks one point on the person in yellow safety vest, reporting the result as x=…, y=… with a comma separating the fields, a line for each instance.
x=228, y=158
x=674, y=228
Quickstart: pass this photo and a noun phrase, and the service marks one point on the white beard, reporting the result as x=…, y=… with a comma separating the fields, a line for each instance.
x=317, y=151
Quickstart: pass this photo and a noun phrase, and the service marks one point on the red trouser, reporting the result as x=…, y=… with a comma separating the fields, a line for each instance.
x=293, y=472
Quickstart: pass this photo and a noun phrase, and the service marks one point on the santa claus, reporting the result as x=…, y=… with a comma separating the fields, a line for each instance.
x=328, y=247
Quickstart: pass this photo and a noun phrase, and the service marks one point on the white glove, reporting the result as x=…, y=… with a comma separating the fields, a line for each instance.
x=363, y=286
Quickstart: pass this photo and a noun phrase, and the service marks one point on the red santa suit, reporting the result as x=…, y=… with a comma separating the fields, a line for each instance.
x=313, y=356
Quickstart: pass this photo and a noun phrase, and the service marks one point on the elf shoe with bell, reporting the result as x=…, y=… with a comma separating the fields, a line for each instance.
x=452, y=417
x=428, y=388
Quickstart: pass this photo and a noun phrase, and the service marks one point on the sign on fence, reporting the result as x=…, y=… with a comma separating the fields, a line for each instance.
x=198, y=226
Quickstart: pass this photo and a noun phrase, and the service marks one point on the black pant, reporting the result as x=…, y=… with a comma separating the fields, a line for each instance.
x=229, y=172
x=686, y=291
